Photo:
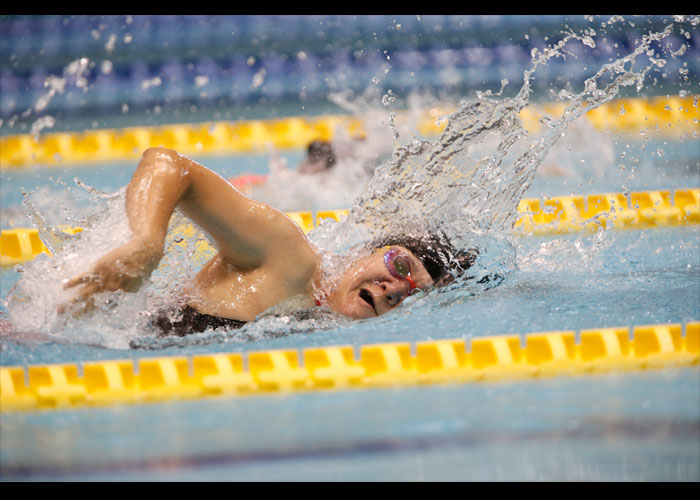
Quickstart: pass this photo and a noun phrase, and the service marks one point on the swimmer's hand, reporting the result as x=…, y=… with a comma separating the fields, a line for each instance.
x=124, y=268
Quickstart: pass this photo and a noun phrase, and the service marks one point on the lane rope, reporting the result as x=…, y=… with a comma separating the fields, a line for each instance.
x=494, y=358
x=669, y=116
x=556, y=215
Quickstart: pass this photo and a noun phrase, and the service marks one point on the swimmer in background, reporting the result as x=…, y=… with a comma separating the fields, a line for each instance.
x=263, y=257
x=329, y=175
x=322, y=156
x=319, y=159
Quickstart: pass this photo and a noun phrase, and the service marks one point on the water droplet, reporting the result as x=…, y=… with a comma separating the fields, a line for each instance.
x=588, y=41
x=201, y=81
x=109, y=46
x=388, y=98
x=106, y=67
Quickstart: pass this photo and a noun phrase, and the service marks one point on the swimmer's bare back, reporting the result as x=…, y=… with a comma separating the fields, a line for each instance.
x=264, y=257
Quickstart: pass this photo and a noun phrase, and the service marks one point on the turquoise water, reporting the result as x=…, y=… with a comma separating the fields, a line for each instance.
x=639, y=426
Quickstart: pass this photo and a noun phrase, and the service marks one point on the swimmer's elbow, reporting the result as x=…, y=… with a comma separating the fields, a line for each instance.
x=159, y=154
x=160, y=180
x=163, y=161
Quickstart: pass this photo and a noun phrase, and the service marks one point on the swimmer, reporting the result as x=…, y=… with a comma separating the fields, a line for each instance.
x=322, y=156
x=263, y=257
x=319, y=158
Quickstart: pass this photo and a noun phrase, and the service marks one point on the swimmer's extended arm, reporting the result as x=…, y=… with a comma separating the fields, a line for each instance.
x=247, y=233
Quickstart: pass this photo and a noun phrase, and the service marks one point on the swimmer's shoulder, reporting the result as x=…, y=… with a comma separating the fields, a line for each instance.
x=292, y=254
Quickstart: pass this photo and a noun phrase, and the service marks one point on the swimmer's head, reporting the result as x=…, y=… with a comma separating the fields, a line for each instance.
x=319, y=158
x=379, y=282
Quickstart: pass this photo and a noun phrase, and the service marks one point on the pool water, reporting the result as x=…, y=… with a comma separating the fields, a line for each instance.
x=634, y=426
x=640, y=426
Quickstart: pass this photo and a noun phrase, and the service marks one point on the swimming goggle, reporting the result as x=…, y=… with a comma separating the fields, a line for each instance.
x=400, y=267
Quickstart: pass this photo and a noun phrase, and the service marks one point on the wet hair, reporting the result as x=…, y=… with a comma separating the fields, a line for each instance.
x=440, y=258
x=321, y=151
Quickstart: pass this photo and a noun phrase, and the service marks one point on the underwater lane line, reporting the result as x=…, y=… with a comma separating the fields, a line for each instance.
x=556, y=215
x=667, y=115
x=587, y=430
x=318, y=369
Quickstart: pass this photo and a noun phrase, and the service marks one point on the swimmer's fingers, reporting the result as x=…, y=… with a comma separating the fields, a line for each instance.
x=125, y=268
x=80, y=303
x=78, y=280
x=92, y=283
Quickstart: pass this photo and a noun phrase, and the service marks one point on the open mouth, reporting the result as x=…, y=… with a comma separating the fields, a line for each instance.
x=367, y=297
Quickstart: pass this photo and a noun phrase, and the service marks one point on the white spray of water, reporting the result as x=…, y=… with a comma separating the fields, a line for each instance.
x=465, y=187
x=119, y=317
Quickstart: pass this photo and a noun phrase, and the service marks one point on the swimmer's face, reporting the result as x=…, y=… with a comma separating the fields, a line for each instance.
x=368, y=289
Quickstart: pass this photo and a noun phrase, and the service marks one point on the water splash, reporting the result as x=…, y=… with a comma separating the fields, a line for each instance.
x=33, y=301
x=465, y=187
